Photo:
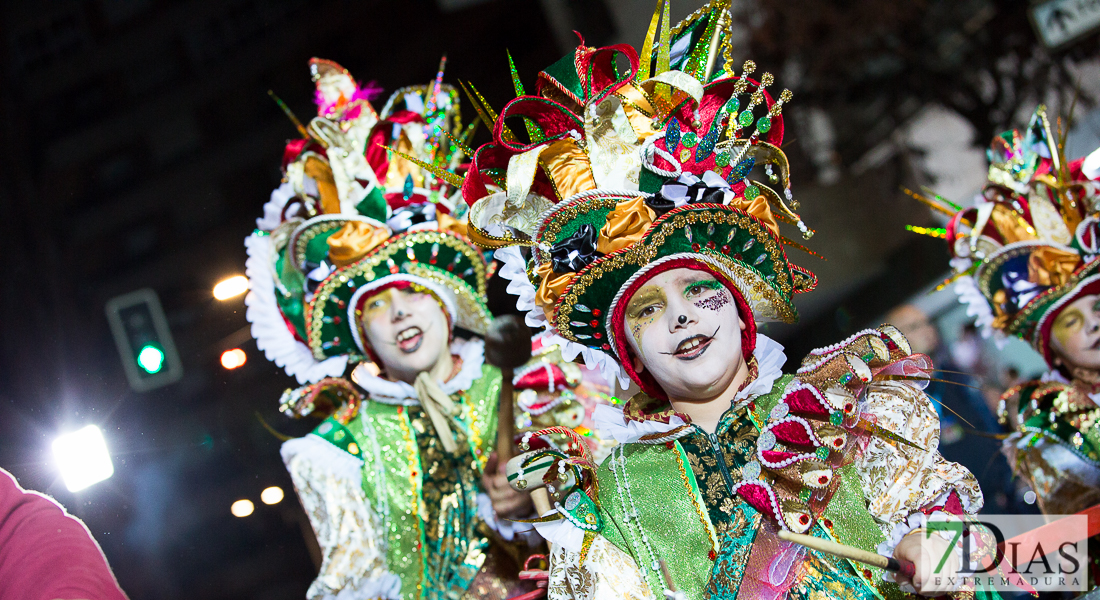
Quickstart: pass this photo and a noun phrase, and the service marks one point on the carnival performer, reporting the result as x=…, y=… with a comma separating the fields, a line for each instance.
x=650, y=244
x=360, y=263
x=1026, y=265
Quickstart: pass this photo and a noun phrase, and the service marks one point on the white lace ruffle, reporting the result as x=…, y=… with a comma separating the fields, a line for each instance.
x=611, y=422
x=1057, y=376
x=514, y=270
x=561, y=533
x=472, y=353
x=273, y=209
x=770, y=359
x=977, y=306
x=320, y=452
x=601, y=362
x=268, y=326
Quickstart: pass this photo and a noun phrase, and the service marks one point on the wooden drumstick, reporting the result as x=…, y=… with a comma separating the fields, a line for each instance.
x=851, y=553
x=507, y=347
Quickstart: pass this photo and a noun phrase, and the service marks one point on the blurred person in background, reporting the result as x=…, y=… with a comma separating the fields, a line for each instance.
x=1026, y=262
x=968, y=427
x=46, y=553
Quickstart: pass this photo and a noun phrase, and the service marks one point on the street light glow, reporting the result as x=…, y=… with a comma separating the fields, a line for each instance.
x=242, y=508
x=231, y=288
x=231, y=359
x=272, y=495
x=83, y=458
x=151, y=359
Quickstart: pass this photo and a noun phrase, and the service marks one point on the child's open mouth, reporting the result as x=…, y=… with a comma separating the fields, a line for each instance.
x=409, y=340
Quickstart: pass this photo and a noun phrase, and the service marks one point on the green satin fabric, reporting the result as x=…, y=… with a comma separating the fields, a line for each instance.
x=427, y=499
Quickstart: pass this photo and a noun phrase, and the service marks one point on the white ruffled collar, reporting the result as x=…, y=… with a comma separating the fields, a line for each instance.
x=471, y=352
x=770, y=359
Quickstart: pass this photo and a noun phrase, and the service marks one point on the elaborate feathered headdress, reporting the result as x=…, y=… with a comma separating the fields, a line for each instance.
x=351, y=219
x=1029, y=245
x=624, y=172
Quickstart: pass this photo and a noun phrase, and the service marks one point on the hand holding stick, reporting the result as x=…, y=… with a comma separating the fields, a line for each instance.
x=851, y=553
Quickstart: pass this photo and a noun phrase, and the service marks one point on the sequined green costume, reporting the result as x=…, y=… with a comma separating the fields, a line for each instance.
x=395, y=514
x=681, y=482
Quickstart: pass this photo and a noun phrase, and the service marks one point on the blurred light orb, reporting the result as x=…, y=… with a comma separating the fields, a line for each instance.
x=151, y=359
x=242, y=508
x=83, y=458
x=272, y=495
x=231, y=288
x=231, y=359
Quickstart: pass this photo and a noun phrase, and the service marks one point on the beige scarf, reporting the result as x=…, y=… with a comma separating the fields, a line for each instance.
x=440, y=408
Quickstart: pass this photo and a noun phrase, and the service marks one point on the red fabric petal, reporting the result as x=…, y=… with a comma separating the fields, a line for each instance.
x=759, y=497
x=793, y=432
x=804, y=400
x=544, y=378
x=775, y=456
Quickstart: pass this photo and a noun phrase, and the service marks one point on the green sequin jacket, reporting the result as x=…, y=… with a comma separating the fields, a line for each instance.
x=395, y=515
x=672, y=498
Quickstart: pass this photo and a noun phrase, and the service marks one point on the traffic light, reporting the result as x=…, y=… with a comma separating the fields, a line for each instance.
x=144, y=341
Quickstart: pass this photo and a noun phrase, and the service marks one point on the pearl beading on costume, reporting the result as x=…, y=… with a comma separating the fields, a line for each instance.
x=631, y=513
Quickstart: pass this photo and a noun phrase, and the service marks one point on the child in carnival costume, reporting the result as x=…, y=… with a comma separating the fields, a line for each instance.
x=1026, y=261
x=654, y=251
x=359, y=261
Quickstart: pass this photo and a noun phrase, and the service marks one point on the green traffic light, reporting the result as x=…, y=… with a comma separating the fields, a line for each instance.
x=151, y=359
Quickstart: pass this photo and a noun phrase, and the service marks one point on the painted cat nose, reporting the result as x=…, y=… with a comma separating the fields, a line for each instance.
x=682, y=319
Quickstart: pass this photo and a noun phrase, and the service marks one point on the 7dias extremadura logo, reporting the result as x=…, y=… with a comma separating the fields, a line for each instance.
x=1009, y=553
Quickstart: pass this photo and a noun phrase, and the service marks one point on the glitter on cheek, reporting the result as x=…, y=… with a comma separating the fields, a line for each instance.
x=637, y=328
x=715, y=302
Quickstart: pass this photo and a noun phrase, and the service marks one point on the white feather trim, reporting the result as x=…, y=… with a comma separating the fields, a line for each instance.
x=268, y=326
x=321, y=453
x=978, y=308
x=273, y=209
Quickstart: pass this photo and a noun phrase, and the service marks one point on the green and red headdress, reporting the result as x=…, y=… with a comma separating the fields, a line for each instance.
x=623, y=179
x=1029, y=245
x=334, y=233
